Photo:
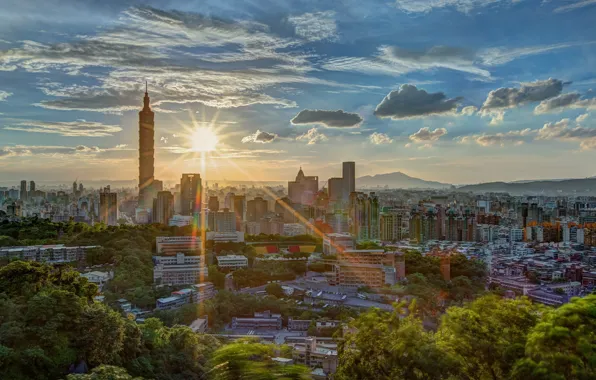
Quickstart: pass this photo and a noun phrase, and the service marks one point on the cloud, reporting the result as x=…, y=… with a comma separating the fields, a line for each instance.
x=502, y=55
x=315, y=26
x=562, y=131
x=410, y=102
x=425, y=135
x=464, y=6
x=378, y=138
x=259, y=137
x=151, y=44
x=505, y=98
x=393, y=60
x=574, y=6
x=582, y=118
x=469, y=110
x=313, y=136
x=66, y=128
x=500, y=139
x=4, y=95
x=83, y=148
x=330, y=119
x=564, y=102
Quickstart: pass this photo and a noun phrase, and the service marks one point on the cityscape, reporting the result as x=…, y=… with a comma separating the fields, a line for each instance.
x=333, y=261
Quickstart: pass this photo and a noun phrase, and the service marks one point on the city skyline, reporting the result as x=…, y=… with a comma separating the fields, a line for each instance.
x=489, y=98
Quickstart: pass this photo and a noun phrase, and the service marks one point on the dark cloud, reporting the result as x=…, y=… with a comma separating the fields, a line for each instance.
x=331, y=119
x=410, y=102
x=564, y=102
x=260, y=137
x=508, y=97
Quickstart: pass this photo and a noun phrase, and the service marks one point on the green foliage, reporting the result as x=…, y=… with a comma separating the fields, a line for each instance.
x=368, y=245
x=252, y=361
x=385, y=345
x=275, y=289
x=563, y=344
x=104, y=372
x=216, y=277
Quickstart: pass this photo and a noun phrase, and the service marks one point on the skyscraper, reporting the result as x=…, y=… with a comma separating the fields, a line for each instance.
x=163, y=207
x=190, y=194
x=240, y=210
x=31, y=188
x=349, y=177
x=108, y=206
x=23, y=194
x=256, y=209
x=335, y=188
x=74, y=188
x=213, y=204
x=146, y=153
x=303, y=189
x=364, y=216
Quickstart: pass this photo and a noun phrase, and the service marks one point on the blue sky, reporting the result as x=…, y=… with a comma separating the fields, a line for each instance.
x=459, y=91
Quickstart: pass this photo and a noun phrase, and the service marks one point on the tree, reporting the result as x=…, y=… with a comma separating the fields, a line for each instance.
x=486, y=337
x=563, y=344
x=104, y=372
x=216, y=277
x=252, y=361
x=275, y=289
x=386, y=346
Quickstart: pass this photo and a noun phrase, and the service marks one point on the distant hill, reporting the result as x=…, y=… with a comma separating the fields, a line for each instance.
x=398, y=180
x=566, y=186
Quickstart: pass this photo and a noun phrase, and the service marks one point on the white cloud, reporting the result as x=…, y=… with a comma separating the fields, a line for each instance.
x=66, y=128
x=426, y=136
x=564, y=102
x=575, y=5
x=502, y=55
x=500, y=139
x=464, y=6
x=563, y=132
x=378, y=138
x=582, y=118
x=259, y=137
x=4, y=95
x=312, y=136
x=469, y=110
x=315, y=26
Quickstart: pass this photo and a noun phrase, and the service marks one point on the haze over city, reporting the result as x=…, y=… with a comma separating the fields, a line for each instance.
x=451, y=91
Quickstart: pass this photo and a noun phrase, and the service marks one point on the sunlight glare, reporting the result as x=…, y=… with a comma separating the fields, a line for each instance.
x=203, y=139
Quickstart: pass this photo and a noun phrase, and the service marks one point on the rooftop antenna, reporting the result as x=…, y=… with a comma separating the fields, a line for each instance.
x=146, y=87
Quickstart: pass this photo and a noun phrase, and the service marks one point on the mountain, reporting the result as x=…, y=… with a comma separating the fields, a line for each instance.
x=398, y=180
x=583, y=186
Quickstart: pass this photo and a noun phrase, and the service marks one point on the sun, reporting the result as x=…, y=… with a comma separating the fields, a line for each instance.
x=203, y=139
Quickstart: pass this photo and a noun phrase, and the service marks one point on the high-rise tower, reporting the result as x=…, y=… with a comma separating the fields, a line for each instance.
x=146, y=153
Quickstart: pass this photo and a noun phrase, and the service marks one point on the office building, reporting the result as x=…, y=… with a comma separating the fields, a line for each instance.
x=364, y=216
x=303, y=189
x=146, y=153
x=213, y=204
x=108, y=206
x=335, y=189
x=322, y=356
x=225, y=221
x=264, y=320
x=232, y=262
x=51, y=254
x=171, y=245
x=23, y=193
x=256, y=209
x=390, y=225
x=373, y=268
x=239, y=211
x=337, y=242
x=179, y=269
x=190, y=194
x=349, y=178
x=163, y=207
x=31, y=189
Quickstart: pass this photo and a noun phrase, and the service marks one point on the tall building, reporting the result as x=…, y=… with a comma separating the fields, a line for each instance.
x=81, y=187
x=239, y=210
x=163, y=207
x=32, y=188
x=146, y=153
x=225, y=221
x=190, y=194
x=108, y=206
x=303, y=189
x=349, y=178
x=256, y=209
x=213, y=204
x=74, y=188
x=335, y=188
x=390, y=225
x=364, y=216
x=23, y=194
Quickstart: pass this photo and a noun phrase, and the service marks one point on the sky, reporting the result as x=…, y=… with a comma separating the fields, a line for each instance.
x=457, y=91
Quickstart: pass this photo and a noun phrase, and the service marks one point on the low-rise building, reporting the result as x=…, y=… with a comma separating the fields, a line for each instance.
x=263, y=320
x=325, y=297
x=202, y=292
x=316, y=354
x=334, y=242
x=199, y=325
x=98, y=278
x=298, y=324
x=234, y=237
x=232, y=262
x=51, y=254
x=179, y=269
x=196, y=294
x=171, y=245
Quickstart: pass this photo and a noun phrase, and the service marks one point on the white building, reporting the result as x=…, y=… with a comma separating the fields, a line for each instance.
x=199, y=325
x=180, y=220
x=96, y=277
x=179, y=269
x=516, y=234
x=232, y=262
x=294, y=229
x=335, y=241
x=235, y=237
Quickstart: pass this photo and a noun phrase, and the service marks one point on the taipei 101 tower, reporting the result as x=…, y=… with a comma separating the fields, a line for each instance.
x=146, y=153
